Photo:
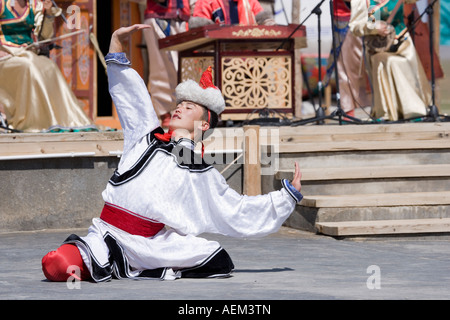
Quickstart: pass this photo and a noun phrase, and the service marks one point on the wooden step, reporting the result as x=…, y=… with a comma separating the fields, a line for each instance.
x=101, y=144
x=409, y=131
x=363, y=146
x=377, y=200
x=373, y=172
x=379, y=227
x=360, y=138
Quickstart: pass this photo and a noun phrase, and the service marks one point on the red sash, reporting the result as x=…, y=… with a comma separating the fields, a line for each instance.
x=130, y=222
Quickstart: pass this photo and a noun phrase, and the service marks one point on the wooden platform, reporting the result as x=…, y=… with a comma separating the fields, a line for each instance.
x=16, y=146
x=382, y=227
x=370, y=179
x=405, y=171
x=352, y=174
x=378, y=200
x=408, y=136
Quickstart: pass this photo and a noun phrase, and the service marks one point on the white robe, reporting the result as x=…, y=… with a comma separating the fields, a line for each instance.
x=158, y=181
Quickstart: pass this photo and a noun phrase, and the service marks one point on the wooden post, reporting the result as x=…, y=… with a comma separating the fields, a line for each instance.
x=436, y=43
x=252, y=161
x=297, y=65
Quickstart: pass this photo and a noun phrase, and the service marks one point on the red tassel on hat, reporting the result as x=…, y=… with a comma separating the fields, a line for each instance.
x=206, y=79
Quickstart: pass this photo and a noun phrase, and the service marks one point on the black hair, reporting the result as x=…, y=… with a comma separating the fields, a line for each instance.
x=213, y=121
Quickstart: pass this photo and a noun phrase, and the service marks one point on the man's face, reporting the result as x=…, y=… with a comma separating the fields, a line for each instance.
x=186, y=116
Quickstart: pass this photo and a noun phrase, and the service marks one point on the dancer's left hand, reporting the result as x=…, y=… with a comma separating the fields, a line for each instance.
x=296, y=181
x=121, y=34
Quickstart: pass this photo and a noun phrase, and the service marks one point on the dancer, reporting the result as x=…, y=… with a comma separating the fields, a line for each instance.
x=162, y=196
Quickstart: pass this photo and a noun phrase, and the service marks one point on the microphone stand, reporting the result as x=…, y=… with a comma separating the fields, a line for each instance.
x=320, y=114
x=4, y=126
x=298, y=27
x=433, y=110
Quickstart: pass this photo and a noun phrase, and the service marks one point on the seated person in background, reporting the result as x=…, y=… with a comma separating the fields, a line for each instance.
x=400, y=86
x=352, y=76
x=229, y=12
x=34, y=93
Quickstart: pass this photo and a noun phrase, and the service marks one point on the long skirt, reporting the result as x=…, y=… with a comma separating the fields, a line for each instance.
x=35, y=94
x=400, y=85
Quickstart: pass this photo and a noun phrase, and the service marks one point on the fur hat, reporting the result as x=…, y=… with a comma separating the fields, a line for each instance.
x=203, y=93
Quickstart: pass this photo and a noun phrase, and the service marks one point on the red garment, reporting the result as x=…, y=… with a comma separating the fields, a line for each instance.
x=341, y=9
x=219, y=12
x=246, y=15
x=58, y=265
x=169, y=9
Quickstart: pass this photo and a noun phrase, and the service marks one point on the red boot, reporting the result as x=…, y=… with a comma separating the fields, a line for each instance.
x=57, y=265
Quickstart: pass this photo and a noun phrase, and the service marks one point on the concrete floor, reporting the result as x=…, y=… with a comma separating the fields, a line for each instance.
x=289, y=265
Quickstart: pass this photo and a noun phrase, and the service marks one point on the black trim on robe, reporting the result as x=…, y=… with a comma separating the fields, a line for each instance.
x=99, y=272
x=219, y=264
x=183, y=156
x=120, y=263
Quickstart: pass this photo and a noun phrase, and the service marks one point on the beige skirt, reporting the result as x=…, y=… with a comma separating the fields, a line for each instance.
x=400, y=87
x=35, y=95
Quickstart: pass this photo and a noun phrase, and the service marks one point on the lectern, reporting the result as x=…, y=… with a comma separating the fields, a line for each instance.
x=253, y=65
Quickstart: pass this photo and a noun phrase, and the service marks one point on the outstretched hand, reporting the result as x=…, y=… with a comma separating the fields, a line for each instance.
x=296, y=181
x=122, y=34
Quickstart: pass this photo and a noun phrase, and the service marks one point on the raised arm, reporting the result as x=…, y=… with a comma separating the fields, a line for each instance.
x=128, y=90
x=122, y=34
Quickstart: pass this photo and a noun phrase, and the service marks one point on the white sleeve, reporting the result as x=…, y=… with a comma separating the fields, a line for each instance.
x=131, y=98
x=238, y=215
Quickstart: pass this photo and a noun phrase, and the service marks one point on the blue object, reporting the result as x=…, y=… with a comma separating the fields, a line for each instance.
x=294, y=193
x=117, y=57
